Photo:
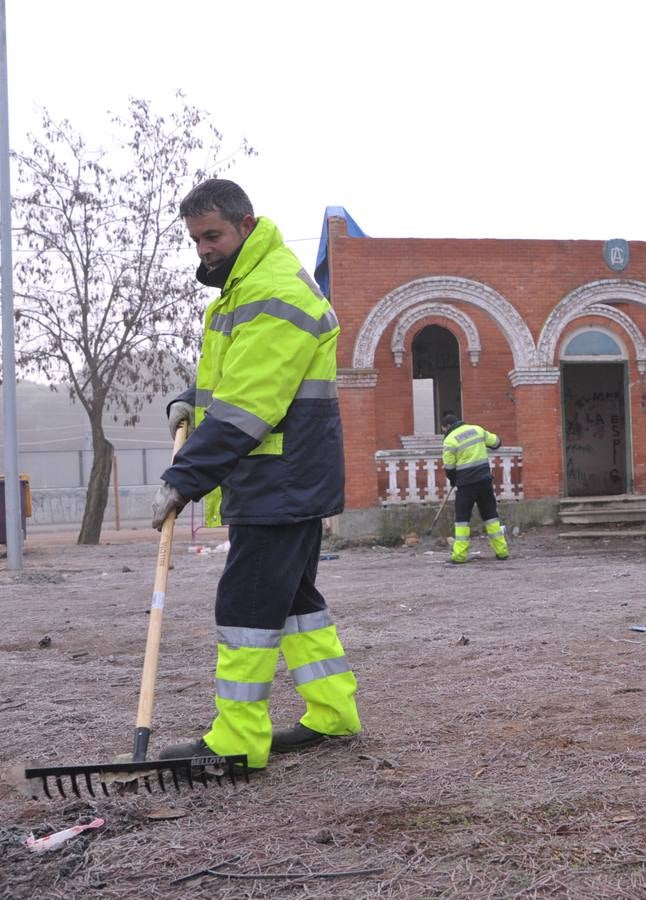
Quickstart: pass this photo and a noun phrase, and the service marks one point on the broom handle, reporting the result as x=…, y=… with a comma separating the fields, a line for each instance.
x=439, y=512
x=151, y=656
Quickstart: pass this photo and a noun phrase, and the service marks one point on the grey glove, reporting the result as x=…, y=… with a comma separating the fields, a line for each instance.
x=165, y=501
x=181, y=411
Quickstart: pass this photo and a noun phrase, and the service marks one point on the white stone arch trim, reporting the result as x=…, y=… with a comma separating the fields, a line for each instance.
x=435, y=308
x=620, y=318
x=444, y=288
x=579, y=302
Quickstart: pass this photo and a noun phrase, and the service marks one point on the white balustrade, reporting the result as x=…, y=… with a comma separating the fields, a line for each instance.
x=412, y=475
x=412, y=494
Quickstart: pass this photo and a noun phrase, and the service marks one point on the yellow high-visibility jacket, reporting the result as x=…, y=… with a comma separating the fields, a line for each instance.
x=464, y=453
x=268, y=427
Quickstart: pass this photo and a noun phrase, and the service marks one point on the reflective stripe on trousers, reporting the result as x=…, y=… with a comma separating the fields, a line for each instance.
x=461, y=543
x=247, y=660
x=243, y=676
x=496, y=537
x=321, y=675
x=267, y=601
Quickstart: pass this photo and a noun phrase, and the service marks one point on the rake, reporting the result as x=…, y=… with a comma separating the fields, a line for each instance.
x=439, y=512
x=128, y=775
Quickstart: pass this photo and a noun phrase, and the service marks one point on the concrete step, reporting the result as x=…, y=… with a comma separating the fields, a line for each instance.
x=421, y=441
x=603, y=499
x=599, y=510
x=599, y=516
x=606, y=533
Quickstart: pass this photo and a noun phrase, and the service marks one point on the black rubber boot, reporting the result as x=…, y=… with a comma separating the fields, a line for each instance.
x=202, y=757
x=196, y=749
x=287, y=740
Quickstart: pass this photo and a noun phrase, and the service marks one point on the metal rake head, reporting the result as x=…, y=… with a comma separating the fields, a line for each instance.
x=127, y=776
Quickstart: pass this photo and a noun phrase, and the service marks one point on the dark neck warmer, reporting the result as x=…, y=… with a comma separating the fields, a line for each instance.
x=217, y=276
x=453, y=427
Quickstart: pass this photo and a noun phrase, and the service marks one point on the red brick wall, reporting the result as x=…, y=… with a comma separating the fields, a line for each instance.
x=638, y=423
x=533, y=276
x=359, y=429
x=538, y=413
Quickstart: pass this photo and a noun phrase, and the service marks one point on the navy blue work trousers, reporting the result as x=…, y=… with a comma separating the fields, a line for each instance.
x=480, y=493
x=269, y=575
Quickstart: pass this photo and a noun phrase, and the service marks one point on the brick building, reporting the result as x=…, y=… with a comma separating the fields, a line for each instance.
x=540, y=341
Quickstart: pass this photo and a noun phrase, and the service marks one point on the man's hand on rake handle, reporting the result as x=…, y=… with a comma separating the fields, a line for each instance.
x=179, y=412
x=166, y=499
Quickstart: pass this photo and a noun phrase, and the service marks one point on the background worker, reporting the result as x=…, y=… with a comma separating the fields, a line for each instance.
x=267, y=431
x=466, y=464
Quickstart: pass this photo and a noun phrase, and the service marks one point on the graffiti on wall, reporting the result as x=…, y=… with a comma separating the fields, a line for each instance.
x=595, y=430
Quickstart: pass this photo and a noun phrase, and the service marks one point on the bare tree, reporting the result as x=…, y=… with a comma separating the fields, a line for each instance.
x=102, y=304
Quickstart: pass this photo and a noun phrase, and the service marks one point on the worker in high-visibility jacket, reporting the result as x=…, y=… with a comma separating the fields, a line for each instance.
x=466, y=464
x=267, y=432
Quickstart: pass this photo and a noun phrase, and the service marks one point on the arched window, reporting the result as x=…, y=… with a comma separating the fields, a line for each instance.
x=593, y=342
x=436, y=378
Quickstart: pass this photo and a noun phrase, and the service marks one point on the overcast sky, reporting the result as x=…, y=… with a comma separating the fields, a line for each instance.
x=479, y=119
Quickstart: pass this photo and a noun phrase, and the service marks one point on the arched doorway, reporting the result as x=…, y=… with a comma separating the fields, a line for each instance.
x=596, y=443
x=436, y=378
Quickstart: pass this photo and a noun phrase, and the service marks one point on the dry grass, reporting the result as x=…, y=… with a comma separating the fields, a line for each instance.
x=504, y=744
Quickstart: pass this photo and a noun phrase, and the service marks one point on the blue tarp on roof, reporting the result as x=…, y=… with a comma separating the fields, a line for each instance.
x=321, y=271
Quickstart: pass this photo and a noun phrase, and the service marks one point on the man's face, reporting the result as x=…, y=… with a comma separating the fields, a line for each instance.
x=215, y=238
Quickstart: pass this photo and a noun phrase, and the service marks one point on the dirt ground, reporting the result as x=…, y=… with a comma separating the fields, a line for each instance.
x=503, y=752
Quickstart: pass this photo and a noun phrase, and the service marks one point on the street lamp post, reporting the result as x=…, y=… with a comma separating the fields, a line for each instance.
x=11, y=476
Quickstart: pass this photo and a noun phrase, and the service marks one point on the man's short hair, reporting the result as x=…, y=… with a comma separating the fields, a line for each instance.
x=449, y=419
x=217, y=195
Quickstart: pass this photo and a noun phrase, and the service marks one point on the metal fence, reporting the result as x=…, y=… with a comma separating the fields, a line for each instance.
x=71, y=468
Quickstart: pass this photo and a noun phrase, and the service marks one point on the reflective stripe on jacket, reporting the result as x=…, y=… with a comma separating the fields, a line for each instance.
x=464, y=453
x=268, y=428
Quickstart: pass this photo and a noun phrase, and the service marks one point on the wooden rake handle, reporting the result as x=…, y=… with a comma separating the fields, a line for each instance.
x=151, y=655
x=439, y=512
